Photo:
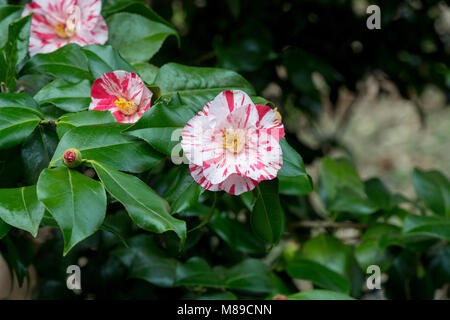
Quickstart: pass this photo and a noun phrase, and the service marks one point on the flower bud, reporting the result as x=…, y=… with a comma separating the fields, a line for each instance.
x=72, y=158
x=280, y=297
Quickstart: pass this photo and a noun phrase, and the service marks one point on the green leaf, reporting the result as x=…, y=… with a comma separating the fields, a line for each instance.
x=292, y=162
x=4, y=229
x=267, y=218
x=433, y=226
x=249, y=275
x=7, y=15
x=147, y=71
x=378, y=194
x=197, y=272
x=295, y=186
x=21, y=208
x=69, y=63
x=196, y=86
x=137, y=38
x=36, y=152
x=84, y=118
x=318, y=274
x=372, y=249
x=348, y=200
x=157, y=126
x=145, y=207
x=22, y=100
x=336, y=174
x=14, y=50
x=70, y=97
x=102, y=59
x=433, y=188
x=237, y=235
x=183, y=192
x=133, y=7
x=319, y=295
x=106, y=144
x=76, y=202
x=16, y=124
x=329, y=252
x=146, y=261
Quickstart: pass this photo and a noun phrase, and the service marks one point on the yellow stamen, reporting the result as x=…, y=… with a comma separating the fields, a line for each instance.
x=128, y=108
x=232, y=141
x=68, y=29
x=278, y=114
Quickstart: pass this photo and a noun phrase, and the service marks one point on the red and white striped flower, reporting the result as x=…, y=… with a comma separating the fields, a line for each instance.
x=56, y=23
x=233, y=144
x=122, y=93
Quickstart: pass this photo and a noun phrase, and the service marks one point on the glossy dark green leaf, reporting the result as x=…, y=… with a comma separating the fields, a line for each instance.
x=16, y=124
x=102, y=59
x=433, y=188
x=292, y=162
x=161, y=126
x=319, y=295
x=336, y=174
x=84, y=118
x=433, y=226
x=197, y=272
x=145, y=207
x=106, y=144
x=69, y=63
x=318, y=274
x=296, y=185
x=267, y=218
x=14, y=50
x=196, y=86
x=136, y=37
x=36, y=152
x=76, y=202
x=183, y=192
x=329, y=252
x=249, y=275
x=349, y=200
x=22, y=100
x=378, y=194
x=7, y=15
x=237, y=235
x=21, y=208
x=136, y=7
x=372, y=249
x=68, y=96
x=145, y=260
x=147, y=71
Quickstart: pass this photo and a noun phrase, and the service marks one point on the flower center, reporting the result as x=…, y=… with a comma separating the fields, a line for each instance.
x=69, y=28
x=233, y=141
x=128, y=108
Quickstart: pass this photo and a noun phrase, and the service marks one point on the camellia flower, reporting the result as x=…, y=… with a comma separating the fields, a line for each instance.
x=56, y=23
x=233, y=144
x=122, y=93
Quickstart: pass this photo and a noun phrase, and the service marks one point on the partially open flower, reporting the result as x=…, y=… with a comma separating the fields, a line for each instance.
x=72, y=158
x=233, y=144
x=56, y=23
x=122, y=93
